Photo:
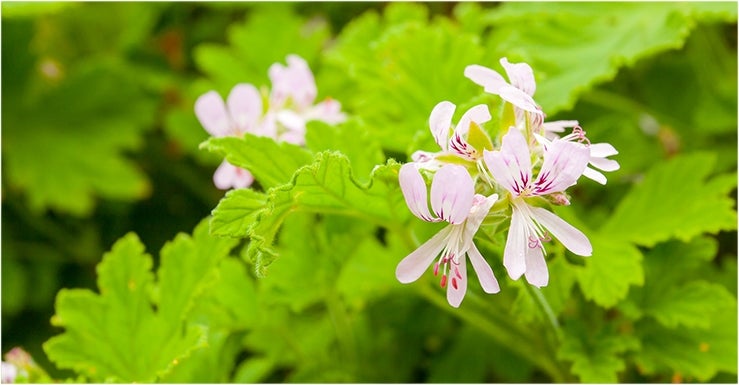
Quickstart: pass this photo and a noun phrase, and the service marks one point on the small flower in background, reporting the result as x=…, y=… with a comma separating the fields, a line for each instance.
x=453, y=200
x=9, y=373
x=564, y=163
x=289, y=108
x=291, y=100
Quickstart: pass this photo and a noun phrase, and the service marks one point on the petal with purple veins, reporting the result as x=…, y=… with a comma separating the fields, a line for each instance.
x=452, y=192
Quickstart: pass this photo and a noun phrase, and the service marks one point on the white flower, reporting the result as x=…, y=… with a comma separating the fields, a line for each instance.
x=453, y=199
x=564, y=163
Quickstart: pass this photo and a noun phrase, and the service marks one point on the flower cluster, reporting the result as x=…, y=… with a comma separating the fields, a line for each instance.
x=281, y=113
x=472, y=179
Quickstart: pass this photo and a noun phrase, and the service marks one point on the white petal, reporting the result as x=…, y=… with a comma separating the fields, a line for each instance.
x=484, y=272
x=483, y=76
x=478, y=114
x=595, y=175
x=245, y=106
x=537, y=273
x=457, y=284
x=440, y=123
x=602, y=150
x=518, y=98
x=514, y=254
x=511, y=165
x=415, y=264
x=452, y=192
x=414, y=191
x=520, y=75
x=559, y=125
x=291, y=121
x=328, y=111
x=604, y=164
x=212, y=114
x=572, y=238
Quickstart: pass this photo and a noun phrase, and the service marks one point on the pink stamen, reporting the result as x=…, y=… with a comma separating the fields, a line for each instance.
x=436, y=268
x=454, y=283
x=457, y=273
x=443, y=280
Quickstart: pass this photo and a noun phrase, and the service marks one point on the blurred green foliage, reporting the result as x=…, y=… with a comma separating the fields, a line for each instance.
x=295, y=282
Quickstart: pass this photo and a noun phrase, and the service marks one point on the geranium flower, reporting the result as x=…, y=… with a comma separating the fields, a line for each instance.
x=453, y=200
x=241, y=113
x=292, y=97
x=511, y=167
x=452, y=141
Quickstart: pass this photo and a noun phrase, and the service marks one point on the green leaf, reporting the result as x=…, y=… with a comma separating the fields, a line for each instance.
x=606, y=36
x=351, y=139
x=676, y=199
x=608, y=273
x=236, y=213
x=83, y=143
x=271, y=163
x=117, y=335
x=691, y=305
x=596, y=356
x=693, y=354
x=398, y=92
x=327, y=186
x=250, y=54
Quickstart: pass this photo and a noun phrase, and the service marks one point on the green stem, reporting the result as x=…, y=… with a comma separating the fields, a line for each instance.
x=502, y=332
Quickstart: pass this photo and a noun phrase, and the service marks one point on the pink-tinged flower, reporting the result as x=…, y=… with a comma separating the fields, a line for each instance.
x=241, y=113
x=453, y=200
x=9, y=373
x=599, y=152
x=452, y=140
x=292, y=97
x=564, y=163
x=519, y=92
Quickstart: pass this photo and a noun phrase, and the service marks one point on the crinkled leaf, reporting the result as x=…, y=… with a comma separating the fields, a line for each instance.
x=351, y=139
x=607, y=274
x=117, y=335
x=559, y=37
x=271, y=163
x=676, y=199
x=236, y=213
x=327, y=186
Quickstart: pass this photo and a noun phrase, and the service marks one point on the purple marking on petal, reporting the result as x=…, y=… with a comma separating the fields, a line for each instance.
x=452, y=191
